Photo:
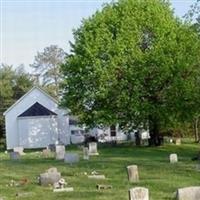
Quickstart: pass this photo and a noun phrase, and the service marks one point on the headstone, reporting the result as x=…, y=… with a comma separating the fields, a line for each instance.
x=198, y=167
x=67, y=189
x=178, y=141
x=133, y=174
x=173, y=158
x=71, y=158
x=50, y=177
x=52, y=170
x=85, y=153
x=93, y=149
x=20, y=150
x=97, y=177
x=14, y=155
x=24, y=194
x=46, y=153
x=188, y=193
x=60, y=152
x=139, y=193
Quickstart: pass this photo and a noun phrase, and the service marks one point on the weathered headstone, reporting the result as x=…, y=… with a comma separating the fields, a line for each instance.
x=139, y=193
x=93, y=149
x=198, y=167
x=188, y=193
x=173, y=158
x=178, y=141
x=133, y=174
x=71, y=158
x=97, y=176
x=46, y=153
x=24, y=194
x=50, y=177
x=20, y=150
x=52, y=170
x=60, y=152
x=14, y=155
x=85, y=153
x=67, y=189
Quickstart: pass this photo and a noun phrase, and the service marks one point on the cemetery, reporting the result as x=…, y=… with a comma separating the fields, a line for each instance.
x=109, y=110
x=120, y=171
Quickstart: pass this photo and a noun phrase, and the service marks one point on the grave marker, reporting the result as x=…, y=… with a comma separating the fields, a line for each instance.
x=133, y=174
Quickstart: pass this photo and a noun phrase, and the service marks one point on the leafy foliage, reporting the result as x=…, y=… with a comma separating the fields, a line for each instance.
x=13, y=84
x=47, y=68
x=133, y=63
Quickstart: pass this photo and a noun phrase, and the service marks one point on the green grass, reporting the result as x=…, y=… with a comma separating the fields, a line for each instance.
x=155, y=172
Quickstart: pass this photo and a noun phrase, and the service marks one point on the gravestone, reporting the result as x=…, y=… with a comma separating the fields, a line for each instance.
x=173, y=158
x=67, y=189
x=139, y=193
x=133, y=174
x=178, y=141
x=93, y=149
x=14, y=155
x=71, y=158
x=50, y=177
x=85, y=153
x=188, y=193
x=46, y=153
x=20, y=150
x=60, y=152
x=96, y=176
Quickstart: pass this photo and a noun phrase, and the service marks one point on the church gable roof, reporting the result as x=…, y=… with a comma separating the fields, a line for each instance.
x=37, y=110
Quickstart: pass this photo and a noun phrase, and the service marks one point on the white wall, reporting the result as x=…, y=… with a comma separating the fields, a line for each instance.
x=63, y=127
x=12, y=134
x=37, y=132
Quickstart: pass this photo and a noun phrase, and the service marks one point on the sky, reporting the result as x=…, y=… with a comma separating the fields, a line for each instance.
x=28, y=26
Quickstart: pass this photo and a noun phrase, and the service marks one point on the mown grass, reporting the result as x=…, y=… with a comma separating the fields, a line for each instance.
x=156, y=173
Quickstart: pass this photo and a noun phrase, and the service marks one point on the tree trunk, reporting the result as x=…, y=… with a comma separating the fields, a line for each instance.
x=155, y=137
x=196, y=129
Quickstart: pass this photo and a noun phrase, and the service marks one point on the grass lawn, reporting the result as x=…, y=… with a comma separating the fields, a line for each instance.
x=155, y=172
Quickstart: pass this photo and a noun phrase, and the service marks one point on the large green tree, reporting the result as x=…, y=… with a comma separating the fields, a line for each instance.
x=133, y=63
x=192, y=17
x=13, y=84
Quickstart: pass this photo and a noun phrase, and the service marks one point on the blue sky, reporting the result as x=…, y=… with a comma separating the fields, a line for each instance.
x=28, y=26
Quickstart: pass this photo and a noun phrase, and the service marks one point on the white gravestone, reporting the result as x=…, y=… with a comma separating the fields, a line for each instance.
x=20, y=150
x=71, y=158
x=173, y=158
x=60, y=152
x=139, y=193
x=188, y=193
x=85, y=153
x=93, y=149
x=133, y=174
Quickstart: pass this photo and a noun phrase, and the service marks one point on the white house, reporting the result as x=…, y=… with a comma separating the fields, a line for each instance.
x=35, y=121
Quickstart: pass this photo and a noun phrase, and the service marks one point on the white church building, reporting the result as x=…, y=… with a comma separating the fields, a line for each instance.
x=35, y=121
